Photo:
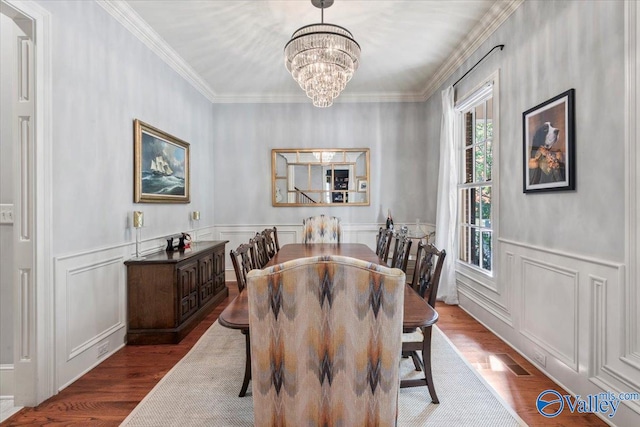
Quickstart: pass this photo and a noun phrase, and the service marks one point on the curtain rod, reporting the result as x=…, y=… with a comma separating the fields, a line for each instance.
x=501, y=46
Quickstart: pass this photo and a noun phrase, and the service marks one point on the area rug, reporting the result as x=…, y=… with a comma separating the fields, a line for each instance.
x=202, y=390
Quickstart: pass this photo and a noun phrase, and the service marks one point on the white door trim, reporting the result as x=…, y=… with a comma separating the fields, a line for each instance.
x=41, y=374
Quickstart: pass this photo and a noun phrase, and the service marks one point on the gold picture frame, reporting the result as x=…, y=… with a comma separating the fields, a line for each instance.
x=161, y=166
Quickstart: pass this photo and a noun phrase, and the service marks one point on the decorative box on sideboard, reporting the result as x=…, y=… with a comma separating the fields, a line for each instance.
x=168, y=293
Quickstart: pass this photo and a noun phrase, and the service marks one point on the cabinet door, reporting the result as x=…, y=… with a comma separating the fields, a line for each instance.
x=188, y=289
x=218, y=260
x=205, y=269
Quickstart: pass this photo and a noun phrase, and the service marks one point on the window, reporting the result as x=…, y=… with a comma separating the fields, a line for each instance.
x=475, y=188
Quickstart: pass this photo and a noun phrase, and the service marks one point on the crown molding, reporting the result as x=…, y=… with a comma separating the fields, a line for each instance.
x=495, y=16
x=130, y=19
x=272, y=98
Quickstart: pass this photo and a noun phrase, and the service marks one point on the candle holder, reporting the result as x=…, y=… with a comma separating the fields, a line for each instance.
x=195, y=218
x=138, y=223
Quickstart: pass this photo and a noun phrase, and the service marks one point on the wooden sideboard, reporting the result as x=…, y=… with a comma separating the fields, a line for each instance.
x=168, y=293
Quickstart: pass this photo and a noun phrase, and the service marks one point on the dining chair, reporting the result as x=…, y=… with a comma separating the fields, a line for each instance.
x=383, y=244
x=260, y=257
x=401, y=252
x=325, y=334
x=426, y=279
x=242, y=264
x=271, y=240
x=321, y=229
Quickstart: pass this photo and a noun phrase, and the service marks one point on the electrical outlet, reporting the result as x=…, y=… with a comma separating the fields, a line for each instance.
x=540, y=358
x=103, y=349
x=6, y=214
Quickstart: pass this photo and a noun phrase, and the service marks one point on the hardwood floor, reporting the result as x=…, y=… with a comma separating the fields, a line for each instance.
x=480, y=347
x=109, y=392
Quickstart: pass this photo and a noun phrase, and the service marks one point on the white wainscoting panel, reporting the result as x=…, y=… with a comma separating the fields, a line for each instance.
x=573, y=311
x=494, y=296
x=550, y=309
x=7, y=388
x=90, y=295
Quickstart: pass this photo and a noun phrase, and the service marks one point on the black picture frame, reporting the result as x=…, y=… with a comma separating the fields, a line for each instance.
x=548, y=137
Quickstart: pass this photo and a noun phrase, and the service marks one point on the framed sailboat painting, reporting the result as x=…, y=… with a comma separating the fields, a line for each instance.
x=161, y=166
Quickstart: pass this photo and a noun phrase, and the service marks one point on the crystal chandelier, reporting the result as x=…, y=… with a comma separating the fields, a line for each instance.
x=322, y=58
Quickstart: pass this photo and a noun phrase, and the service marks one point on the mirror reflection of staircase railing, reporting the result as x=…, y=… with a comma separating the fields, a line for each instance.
x=302, y=197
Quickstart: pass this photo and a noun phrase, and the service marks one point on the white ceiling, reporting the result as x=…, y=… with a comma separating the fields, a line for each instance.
x=233, y=50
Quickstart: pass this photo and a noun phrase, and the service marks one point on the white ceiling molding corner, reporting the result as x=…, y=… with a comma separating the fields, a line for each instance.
x=498, y=13
x=130, y=19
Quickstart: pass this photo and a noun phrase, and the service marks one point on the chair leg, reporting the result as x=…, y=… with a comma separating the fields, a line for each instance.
x=416, y=360
x=426, y=359
x=247, y=366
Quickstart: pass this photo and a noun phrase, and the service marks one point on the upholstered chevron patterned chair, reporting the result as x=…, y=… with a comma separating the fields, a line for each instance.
x=321, y=229
x=325, y=340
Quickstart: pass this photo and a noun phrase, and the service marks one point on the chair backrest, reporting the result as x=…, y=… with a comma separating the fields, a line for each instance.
x=383, y=244
x=325, y=333
x=242, y=264
x=426, y=276
x=260, y=256
x=321, y=229
x=271, y=241
x=401, y=252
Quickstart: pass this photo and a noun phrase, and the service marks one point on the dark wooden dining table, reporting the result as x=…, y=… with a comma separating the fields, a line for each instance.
x=417, y=313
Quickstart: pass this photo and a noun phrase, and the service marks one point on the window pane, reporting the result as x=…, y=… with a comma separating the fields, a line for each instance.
x=464, y=244
x=489, y=163
x=468, y=129
x=486, y=250
x=475, y=216
x=465, y=207
x=479, y=151
x=475, y=246
x=486, y=207
x=479, y=116
x=468, y=165
x=489, y=113
x=474, y=196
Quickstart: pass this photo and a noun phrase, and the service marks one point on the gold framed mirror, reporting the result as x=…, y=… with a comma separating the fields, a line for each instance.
x=320, y=177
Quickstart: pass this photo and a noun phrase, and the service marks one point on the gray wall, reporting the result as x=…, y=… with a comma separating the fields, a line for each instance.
x=394, y=132
x=553, y=46
x=104, y=78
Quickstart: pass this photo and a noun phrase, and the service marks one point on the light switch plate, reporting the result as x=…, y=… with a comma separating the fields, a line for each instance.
x=6, y=214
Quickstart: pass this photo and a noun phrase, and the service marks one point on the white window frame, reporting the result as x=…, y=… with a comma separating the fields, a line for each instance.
x=488, y=88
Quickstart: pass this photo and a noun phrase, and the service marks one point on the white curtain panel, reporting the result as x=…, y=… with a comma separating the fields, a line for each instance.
x=448, y=197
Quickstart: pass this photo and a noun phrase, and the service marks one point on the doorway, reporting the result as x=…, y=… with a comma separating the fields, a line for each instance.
x=26, y=343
